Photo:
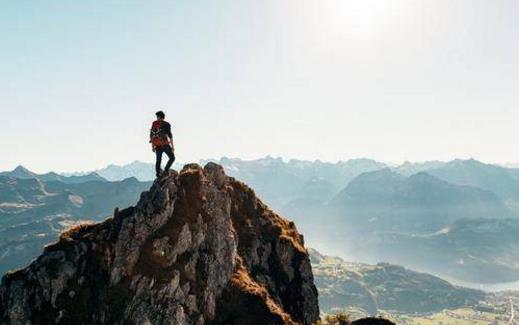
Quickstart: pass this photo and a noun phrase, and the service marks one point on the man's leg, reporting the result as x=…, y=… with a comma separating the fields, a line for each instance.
x=171, y=157
x=158, y=162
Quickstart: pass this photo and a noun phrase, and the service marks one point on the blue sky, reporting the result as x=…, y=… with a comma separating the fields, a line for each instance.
x=393, y=80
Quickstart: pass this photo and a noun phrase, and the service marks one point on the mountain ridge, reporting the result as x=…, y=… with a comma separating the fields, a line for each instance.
x=199, y=247
x=20, y=172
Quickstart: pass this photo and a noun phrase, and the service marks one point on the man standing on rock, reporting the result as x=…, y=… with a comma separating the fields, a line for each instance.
x=161, y=141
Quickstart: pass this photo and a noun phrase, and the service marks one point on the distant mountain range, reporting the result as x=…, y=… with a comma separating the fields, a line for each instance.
x=21, y=172
x=425, y=222
x=34, y=209
x=501, y=181
x=142, y=171
x=409, y=168
x=385, y=200
x=279, y=182
x=457, y=218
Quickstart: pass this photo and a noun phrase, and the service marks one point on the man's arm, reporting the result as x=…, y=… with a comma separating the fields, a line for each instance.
x=170, y=136
x=151, y=134
x=172, y=144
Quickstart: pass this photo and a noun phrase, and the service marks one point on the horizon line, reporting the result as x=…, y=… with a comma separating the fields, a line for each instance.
x=283, y=159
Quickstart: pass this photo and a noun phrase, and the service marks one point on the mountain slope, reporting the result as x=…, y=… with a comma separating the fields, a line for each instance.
x=384, y=286
x=33, y=212
x=199, y=247
x=388, y=201
x=471, y=250
x=19, y=172
x=497, y=179
x=421, y=222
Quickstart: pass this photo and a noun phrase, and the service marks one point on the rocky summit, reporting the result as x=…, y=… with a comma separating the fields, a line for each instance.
x=198, y=248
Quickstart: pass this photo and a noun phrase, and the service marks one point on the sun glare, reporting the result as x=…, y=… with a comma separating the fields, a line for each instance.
x=358, y=23
x=358, y=20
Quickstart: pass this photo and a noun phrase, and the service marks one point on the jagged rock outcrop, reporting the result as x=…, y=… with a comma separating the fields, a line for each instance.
x=198, y=248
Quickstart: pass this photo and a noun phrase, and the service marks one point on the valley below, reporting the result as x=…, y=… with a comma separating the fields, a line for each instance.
x=405, y=296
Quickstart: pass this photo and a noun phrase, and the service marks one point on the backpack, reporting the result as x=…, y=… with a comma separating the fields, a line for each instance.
x=157, y=135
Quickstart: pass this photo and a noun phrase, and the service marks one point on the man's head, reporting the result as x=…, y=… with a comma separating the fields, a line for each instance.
x=160, y=115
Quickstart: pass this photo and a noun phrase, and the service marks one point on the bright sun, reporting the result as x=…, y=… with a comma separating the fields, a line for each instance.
x=359, y=19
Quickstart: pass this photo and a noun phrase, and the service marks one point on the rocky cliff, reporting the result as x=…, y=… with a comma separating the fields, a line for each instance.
x=198, y=248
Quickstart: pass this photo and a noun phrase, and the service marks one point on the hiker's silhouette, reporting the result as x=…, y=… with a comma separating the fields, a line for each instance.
x=161, y=141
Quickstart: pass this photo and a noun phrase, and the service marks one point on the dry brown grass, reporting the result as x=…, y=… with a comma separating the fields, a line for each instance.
x=75, y=231
x=338, y=319
x=242, y=280
x=277, y=224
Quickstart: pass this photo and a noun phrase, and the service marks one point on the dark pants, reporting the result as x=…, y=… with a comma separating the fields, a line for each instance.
x=159, y=151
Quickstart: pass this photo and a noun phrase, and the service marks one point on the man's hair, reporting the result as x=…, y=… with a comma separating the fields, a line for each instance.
x=160, y=114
